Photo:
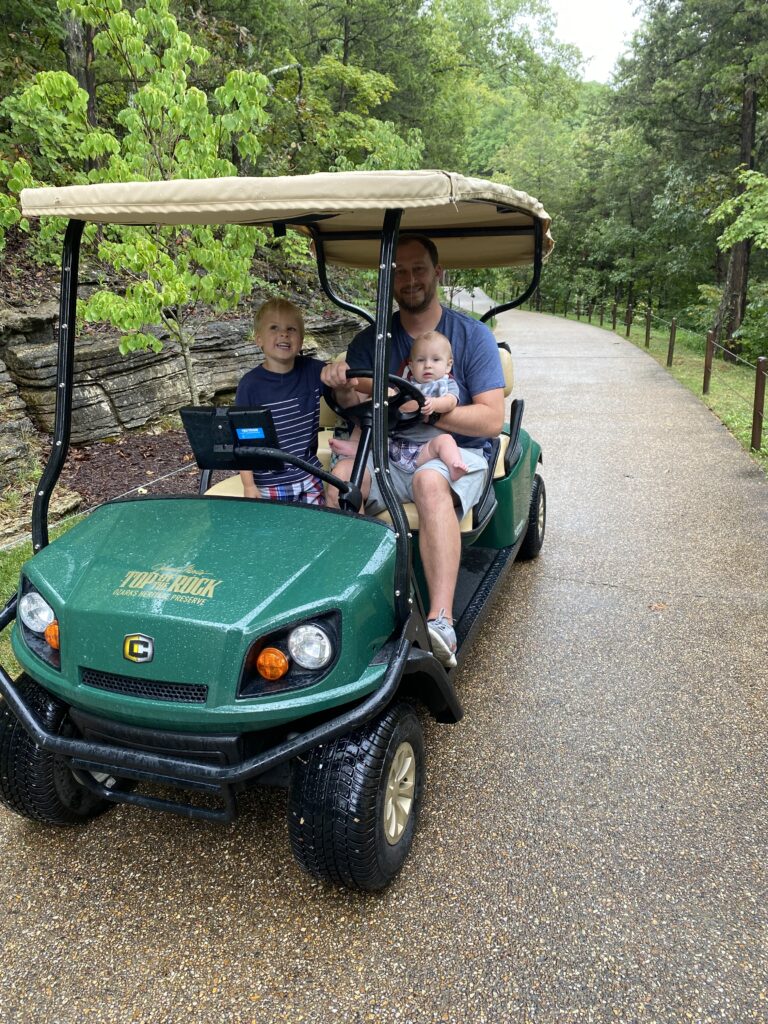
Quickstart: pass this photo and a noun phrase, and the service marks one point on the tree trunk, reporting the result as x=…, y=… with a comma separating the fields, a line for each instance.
x=77, y=45
x=733, y=304
x=346, y=47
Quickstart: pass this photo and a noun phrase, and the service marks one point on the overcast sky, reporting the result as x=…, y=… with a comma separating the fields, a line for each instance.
x=599, y=28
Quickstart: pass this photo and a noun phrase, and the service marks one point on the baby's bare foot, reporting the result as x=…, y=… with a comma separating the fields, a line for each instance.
x=341, y=446
x=457, y=469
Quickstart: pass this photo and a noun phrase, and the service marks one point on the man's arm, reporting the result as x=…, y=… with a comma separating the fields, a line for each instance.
x=483, y=418
x=334, y=375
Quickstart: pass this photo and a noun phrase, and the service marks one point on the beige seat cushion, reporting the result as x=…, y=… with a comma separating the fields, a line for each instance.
x=230, y=487
x=509, y=370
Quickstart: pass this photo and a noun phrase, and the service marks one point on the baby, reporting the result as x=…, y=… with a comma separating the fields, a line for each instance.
x=429, y=363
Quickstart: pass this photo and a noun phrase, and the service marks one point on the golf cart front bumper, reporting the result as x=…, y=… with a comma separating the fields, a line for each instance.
x=210, y=764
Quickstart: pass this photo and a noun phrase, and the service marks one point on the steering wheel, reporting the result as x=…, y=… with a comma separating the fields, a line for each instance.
x=362, y=413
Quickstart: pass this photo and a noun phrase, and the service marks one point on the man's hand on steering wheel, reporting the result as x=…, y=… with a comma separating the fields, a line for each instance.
x=362, y=413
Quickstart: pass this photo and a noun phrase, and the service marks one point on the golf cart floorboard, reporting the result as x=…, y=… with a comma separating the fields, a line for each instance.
x=479, y=576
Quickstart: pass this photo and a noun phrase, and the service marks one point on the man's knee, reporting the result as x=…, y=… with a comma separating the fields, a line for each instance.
x=431, y=488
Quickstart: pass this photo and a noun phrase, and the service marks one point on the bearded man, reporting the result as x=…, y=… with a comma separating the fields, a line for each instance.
x=479, y=416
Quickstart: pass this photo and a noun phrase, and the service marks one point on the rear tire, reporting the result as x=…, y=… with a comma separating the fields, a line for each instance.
x=537, y=521
x=353, y=803
x=33, y=782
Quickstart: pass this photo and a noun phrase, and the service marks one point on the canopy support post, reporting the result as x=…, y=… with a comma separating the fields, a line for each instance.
x=325, y=284
x=537, y=264
x=64, y=379
x=382, y=349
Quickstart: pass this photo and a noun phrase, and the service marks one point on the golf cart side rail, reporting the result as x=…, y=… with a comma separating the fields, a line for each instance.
x=114, y=758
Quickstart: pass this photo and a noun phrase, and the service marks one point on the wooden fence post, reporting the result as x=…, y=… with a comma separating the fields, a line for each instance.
x=565, y=307
x=590, y=307
x=648, y=327
x=613, y=317
x=709, y=352
x=628, y=319
x=757, y=414
x=672, y=335
x=554, y=306
x=578, y=308
x=602, y=313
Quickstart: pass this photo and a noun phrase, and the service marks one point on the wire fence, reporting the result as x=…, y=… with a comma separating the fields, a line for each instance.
x=629, y=315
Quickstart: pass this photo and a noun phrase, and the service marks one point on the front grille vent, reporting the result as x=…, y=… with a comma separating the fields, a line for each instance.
x=149, y=689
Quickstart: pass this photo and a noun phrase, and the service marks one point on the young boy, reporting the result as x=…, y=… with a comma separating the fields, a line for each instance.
x=288, y=384
x=429, y=365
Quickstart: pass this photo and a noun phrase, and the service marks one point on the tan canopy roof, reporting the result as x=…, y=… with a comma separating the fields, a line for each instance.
x=475, y=223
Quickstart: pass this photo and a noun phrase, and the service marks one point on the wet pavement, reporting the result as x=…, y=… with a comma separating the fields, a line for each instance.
x=593, y=839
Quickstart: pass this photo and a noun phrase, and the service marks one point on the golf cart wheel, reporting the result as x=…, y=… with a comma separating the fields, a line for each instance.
x=33, y=782
x=354, y=802
x=537, y=521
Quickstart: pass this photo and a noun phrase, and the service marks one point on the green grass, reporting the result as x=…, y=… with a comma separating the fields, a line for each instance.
x=11, y=561
x=731, y=388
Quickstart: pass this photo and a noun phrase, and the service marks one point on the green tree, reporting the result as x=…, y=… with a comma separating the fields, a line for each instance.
x=694, y=81
x=169, y=130
x=747, y=214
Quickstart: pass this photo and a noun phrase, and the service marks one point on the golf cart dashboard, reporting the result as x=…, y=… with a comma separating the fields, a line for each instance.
x=230, y=437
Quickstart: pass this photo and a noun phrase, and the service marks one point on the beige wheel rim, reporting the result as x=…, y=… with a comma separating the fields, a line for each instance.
x=401, y=786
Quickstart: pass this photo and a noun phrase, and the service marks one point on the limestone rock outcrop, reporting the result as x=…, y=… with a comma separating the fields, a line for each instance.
x=113, y=393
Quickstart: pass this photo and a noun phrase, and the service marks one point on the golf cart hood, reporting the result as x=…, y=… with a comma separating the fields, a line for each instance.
x=204, y=577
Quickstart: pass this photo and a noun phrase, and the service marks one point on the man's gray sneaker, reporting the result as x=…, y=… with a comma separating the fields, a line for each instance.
x=443, y=637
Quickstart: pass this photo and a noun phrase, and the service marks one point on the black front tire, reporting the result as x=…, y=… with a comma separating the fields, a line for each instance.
x=537, y=521
x=33, y=782
x=354, y=803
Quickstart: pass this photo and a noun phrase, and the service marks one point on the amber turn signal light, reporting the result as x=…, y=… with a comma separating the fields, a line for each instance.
x=272, y=663
x=51, y=634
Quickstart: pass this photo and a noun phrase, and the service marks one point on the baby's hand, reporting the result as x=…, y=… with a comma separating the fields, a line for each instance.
x=428, y=408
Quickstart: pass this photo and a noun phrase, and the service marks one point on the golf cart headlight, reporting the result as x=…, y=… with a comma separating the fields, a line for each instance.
x=36, y=622
x=310, y=646
x=35, y=612
x=292, y=657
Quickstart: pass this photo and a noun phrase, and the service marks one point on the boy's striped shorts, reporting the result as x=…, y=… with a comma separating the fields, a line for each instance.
x=308, y=491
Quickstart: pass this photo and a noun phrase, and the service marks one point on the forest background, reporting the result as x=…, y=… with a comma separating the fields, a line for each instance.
x=655, y=181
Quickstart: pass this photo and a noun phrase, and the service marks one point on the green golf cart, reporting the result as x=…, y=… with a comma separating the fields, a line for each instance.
x=178, y=650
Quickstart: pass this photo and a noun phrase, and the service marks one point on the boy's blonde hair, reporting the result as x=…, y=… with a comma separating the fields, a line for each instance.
x=273, y=306
x=431, y=336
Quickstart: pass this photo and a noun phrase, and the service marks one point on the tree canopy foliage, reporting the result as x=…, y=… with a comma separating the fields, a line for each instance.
x=655, y=181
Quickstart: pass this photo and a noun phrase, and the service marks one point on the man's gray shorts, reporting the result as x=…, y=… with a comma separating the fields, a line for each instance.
x=467, y=489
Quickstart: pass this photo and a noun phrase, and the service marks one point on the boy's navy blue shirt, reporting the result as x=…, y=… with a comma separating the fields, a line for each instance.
x=476, y=364
x=294, y=400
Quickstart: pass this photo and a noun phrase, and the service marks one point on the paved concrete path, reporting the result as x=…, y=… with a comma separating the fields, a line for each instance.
x=593, y=841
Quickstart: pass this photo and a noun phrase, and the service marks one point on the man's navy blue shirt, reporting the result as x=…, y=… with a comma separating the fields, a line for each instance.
x=476, y=364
